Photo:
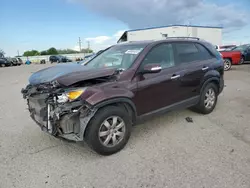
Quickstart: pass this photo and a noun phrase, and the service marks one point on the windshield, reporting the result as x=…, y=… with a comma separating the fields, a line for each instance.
x=121, y=56
x=241, y=48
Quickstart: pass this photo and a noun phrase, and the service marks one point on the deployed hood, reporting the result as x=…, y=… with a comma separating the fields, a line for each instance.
x=68, y=74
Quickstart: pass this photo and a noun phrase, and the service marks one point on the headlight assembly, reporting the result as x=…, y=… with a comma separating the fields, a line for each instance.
x=70, y=95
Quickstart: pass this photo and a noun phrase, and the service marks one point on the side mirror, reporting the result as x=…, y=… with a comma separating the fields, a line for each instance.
x=151, y=68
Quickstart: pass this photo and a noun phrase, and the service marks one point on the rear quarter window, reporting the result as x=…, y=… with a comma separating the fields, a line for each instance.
x=204, y=53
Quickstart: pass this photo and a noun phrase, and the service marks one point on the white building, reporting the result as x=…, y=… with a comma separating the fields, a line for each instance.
x=208, y=33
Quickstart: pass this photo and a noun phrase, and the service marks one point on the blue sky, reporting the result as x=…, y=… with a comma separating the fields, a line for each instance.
x=40, y=24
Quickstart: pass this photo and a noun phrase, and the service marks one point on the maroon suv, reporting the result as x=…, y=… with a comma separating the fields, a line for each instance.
x=100, y=101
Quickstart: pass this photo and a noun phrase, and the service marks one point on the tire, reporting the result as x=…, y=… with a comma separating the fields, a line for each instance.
x=227, y=64
x=2, y=65
x=96, y=126
x=242, y=60
x=201, y=106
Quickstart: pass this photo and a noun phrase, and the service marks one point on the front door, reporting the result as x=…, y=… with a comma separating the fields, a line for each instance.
x=158, y=90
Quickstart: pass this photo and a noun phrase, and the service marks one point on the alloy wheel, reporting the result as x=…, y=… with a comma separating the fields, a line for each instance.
x=210, y=98
x=241, y=61
x=112, y=131
x=227, y=64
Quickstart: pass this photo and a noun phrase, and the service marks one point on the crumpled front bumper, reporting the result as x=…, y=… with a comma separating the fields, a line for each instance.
x=68, y=120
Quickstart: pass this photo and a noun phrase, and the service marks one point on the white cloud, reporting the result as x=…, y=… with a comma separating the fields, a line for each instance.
x=148, y=13
x=99, y=39
x=100, y=42
x=118, y=34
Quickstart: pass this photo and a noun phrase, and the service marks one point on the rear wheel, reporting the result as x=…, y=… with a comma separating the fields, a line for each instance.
x=227, y=64
x=242, y=60
x=208, y=99
x=109, y=130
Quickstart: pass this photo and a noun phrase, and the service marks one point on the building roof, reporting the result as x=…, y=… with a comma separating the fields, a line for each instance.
x=216, y=27
x=125, y=33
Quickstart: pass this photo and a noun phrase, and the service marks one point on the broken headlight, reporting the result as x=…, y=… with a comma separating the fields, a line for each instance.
x=70, y=95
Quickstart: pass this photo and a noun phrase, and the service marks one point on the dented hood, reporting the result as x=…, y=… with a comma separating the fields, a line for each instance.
x=68, y=74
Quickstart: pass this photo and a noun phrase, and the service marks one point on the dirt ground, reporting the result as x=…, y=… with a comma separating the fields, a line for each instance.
x=167, y=151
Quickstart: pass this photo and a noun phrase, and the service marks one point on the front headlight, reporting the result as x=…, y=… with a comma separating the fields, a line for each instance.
x=70, y=95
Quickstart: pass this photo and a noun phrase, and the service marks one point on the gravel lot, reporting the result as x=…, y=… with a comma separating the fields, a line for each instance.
x=211, y=152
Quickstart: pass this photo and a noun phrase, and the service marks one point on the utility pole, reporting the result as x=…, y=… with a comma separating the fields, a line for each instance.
x=88, y=46
x=80, y=44
x=18, y=53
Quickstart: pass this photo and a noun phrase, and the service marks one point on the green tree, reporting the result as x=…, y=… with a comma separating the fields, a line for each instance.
x=52, y=51
x=86, y=50
x=31, y=53
x=66, y=51
x=1, y=53
x=44, y=52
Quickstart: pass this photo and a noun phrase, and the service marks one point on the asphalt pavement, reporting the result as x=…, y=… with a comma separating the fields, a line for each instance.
x=165, y=152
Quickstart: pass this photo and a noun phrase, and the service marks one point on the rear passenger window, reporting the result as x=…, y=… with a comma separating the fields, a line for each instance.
x=204, y=53
x=187, y=52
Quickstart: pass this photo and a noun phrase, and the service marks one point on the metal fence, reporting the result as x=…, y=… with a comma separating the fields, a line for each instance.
x=37, y=59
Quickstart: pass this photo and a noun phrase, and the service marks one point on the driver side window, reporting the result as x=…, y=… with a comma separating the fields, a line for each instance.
x=162, y=54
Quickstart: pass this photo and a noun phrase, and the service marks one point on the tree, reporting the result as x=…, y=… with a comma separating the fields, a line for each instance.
x=67, y=51
x=52, y=51
x=87, y=50
x=44, y=52
x=31, y=53
x=1, y=53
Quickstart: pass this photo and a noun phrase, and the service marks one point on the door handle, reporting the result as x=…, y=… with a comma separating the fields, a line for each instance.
x=175, y=77
x=205, y=68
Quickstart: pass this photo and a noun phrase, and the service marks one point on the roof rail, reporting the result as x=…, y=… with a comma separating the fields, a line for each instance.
x=183, y=38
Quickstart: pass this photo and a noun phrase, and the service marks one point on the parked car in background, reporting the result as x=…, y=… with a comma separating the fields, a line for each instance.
x=43, y=61
x=245, y=52
x=236, y=56
x=4, y=62
x=20, y=60
x=59, y=59
x=224, y=47
x=16, y=61
x=100, y=101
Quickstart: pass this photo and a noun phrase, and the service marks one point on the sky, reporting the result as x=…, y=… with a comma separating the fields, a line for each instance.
x=41, y=24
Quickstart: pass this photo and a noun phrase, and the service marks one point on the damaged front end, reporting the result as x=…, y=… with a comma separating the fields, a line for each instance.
x=58, y=111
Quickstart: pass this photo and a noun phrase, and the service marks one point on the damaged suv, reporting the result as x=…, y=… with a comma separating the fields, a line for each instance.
x=98, y=102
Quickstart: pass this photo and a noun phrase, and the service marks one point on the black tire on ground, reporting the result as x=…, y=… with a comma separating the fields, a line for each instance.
x=227, y=64
x=92, y=132
x=242, y=60
x=200, y=107
x=2, y=65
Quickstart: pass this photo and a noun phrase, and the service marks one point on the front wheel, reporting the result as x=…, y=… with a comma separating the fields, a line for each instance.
x=208, y=99
x=227, y=64
x=109, y=130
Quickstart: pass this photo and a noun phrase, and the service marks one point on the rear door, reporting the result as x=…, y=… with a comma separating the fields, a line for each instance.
x=195, y=61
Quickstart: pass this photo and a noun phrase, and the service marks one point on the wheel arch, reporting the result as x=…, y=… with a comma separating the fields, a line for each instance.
x=214, y=80
x=120, y=101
